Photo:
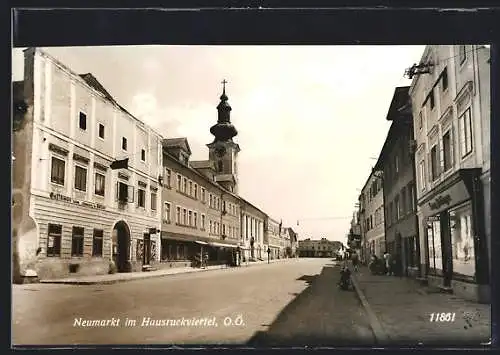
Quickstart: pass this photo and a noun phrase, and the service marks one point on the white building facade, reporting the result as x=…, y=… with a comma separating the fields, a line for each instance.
x=78, y=215
x=252, y=232
x=451, y=110
x=372, y=217
x=272, y=237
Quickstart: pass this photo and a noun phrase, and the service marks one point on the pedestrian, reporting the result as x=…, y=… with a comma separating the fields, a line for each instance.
x=355, y=261
x=388, y=263
x=205, y=260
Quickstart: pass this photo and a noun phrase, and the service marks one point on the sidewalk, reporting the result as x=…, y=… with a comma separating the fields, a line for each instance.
x=128, y=276
x=399, y=310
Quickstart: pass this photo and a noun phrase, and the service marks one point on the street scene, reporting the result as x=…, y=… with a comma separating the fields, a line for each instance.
x=251, y=196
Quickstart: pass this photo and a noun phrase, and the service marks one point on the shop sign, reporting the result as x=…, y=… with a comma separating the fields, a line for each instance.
x=440, y=201
x=60, y=197
x=454, y=195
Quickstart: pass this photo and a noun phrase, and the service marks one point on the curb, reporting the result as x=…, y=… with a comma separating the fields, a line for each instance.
x=381, y=337
x=142, y=277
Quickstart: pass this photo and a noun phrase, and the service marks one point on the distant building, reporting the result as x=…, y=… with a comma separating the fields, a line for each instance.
x=396, y=163
x=293, y=242
x=451, y=110
x=371, y=215
x=272, y=237
x=354, y=235
x=318, y=248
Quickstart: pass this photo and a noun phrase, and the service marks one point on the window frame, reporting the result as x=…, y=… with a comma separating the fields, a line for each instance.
x=143, y=155
x=444, y=79
x=103, y=185
x=434, y=163
x=63, y=160
x=85, y=116
x=98, y=239
x=153, y=201
x=139, y=190
x=81, y=245
x=447, y=163
x=99, y=125
x=57, y=240
x=86, y=168
x=124, y=144
x=167, y=215
x=464, y=150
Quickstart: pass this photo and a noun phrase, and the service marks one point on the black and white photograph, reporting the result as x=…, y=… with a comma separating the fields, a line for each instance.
x=251, y=195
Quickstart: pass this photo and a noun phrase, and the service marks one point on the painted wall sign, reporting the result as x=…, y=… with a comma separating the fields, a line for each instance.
x=440, y=201
x=90, y=204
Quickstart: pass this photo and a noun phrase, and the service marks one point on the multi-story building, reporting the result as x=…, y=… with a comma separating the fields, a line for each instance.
x=354, y=235
x=199, y=216
x=396, y=164
x=322, y=248
x=371, y=205
x=73, y=214
x=293, y=242
x=450, y=96
x=272, y=237
x=252, y=228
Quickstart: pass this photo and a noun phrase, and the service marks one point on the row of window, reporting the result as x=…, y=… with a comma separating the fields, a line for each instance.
x=101, y=133
x=124, y=191
x=374, y=220
x=442, y=153
x=77, y=241
x=190, y=218
x=443, y=78
x=403, y=204
x=193, y=190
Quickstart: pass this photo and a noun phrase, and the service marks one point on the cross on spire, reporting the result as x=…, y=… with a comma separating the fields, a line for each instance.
x=224, y=82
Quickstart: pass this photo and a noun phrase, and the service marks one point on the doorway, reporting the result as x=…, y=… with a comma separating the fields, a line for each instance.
x=121, y=246
x=146, y=256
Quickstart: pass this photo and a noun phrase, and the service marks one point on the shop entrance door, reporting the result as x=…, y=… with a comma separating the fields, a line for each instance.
x=446, y=249
x=146, y=256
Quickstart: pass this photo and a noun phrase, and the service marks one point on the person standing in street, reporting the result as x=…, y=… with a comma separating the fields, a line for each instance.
x=388, y=263
x=355, y=261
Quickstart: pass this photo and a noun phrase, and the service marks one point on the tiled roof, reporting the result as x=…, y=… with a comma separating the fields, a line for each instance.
x=177, y=143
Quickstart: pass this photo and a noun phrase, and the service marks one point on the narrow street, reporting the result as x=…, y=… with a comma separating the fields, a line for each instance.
x=289, y=303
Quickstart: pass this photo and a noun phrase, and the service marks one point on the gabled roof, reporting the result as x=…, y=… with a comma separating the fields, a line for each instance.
x=181, y=143
x=93, y=82
x=400, y=101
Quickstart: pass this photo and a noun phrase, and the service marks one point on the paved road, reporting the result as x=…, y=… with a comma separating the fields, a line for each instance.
x=291, y=303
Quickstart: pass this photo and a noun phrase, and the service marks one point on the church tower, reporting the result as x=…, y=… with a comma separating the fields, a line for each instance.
x=223, y=152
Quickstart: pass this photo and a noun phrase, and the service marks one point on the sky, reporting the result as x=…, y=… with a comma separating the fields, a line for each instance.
x=311, y=120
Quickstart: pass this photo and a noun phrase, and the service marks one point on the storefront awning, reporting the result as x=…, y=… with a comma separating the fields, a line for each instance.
x=200, y=242
x=222, y=245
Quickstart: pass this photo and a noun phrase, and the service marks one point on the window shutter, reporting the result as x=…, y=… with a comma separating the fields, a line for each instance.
x=452, y=147
x=441, y=157
x=461, y=137
x=130, y=193
x=428, y=176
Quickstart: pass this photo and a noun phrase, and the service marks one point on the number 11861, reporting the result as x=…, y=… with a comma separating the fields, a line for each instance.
x=443, y=317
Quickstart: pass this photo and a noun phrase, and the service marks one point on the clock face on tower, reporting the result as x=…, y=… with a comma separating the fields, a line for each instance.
x=220, y=151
